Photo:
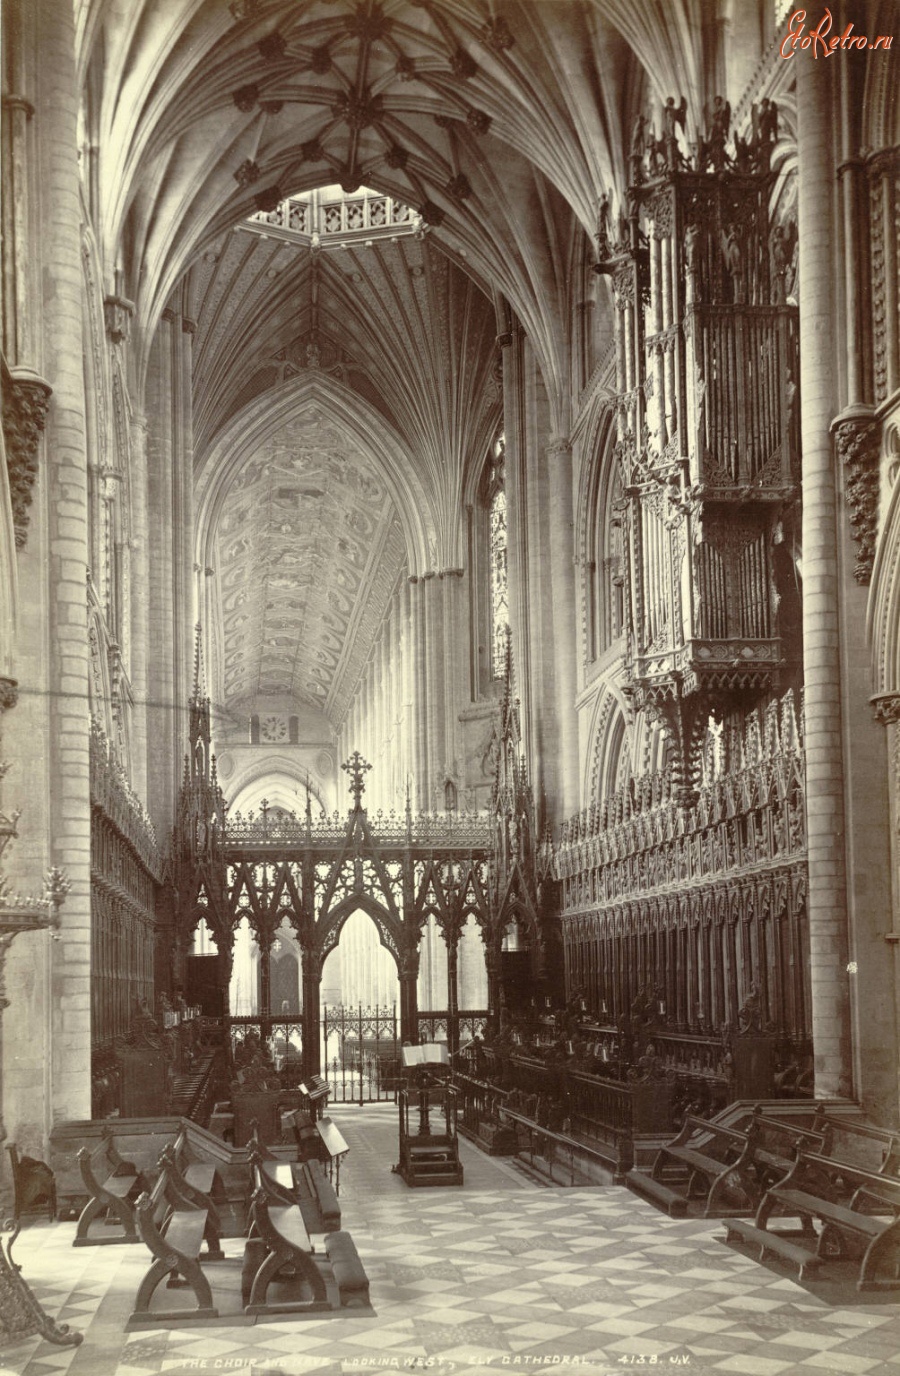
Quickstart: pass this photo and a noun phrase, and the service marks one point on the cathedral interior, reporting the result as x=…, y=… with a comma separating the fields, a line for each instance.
x=449, y=547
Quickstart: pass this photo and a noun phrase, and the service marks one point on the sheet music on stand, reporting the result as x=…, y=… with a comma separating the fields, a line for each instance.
x=426, y=1053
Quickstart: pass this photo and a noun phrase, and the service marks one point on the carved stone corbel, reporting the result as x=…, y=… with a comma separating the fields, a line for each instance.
x=857, y=441
x=9, y=693
x=886, y=708
x=25, y=399
x=118, y=311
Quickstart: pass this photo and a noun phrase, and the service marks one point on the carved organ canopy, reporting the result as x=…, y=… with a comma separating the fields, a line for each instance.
x=706, y=377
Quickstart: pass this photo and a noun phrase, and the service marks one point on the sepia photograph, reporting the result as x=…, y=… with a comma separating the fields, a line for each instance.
x=449, y=687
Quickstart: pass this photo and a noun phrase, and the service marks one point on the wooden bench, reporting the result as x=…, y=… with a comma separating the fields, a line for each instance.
x=859, y=1144
x=726, y=1168
x=298, y=1182
x=183, y=1192
x=773, y=1146
x=112, y=1185
x=273, y=1176
x=318, y=1201
x=196, y=1181
x=348, y=1270
x=34, y=1185
x=279, y=1248
x=174, y=1237
x=706, y=1151
x=865, y=1225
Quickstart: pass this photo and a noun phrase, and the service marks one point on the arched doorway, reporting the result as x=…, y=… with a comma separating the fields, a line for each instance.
x=360, y=1049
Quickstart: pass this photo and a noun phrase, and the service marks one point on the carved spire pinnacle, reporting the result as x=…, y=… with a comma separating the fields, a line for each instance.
x=199, y=690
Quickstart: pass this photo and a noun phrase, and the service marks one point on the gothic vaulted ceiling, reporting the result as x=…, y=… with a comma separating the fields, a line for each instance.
x=343, y=395
x=501, y=125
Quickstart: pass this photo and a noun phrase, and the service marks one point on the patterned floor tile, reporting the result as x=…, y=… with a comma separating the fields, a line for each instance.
x=485, y=1277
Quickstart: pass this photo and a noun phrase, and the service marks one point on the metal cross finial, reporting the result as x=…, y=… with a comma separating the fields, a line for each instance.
x=357, y=768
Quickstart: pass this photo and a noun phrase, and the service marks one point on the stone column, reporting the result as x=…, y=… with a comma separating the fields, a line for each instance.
x=140, y=605
x=164, y=719
x=821, y=654
x=66, y=508
x=455, y=639
x=183, y=519
x=564, y=798
x=420, y=696
x=434, y=674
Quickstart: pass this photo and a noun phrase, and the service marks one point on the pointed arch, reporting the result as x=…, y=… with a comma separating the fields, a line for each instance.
x=388, y=928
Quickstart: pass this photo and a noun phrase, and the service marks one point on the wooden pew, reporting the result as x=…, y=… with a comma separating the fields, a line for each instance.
x=279, y=1245
x=724, y=1168
x=197, y=1180
x=348, y=1270
x=859, y=1144
x=864, y=1225
x=299, y=1182
x=183, y=1189
x=174, y=1236
x=703, y=1152
x=112, y=1185
x=772, y=1148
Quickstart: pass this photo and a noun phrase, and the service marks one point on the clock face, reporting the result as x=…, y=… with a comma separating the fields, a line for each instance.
x=273, y=728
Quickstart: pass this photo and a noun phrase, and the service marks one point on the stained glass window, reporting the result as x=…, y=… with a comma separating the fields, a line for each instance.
x=499, y=579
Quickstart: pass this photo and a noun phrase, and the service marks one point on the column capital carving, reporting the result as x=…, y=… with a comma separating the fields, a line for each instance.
x=857, y=439
x=886, y=708
x=26, y=397
x=559, y=445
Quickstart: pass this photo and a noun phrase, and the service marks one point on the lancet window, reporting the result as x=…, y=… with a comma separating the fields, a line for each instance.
x=498, y=560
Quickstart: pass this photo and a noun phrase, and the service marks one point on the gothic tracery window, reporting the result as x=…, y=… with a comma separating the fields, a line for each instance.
x=498, y=562
x=605, y=581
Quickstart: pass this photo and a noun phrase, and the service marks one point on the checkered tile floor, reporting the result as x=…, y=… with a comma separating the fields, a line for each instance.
x=497, y=1276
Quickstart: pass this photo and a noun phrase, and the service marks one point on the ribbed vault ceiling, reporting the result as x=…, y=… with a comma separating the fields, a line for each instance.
x=499, y=124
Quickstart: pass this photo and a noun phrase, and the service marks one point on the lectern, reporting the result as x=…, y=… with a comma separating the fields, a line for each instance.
x=429, y=1147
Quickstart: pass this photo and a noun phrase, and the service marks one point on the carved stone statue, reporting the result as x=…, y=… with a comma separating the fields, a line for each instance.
x=734, y=263
x=750, y=1014
x=765, y=131
x=604, y=228
x=783, y=241
x=718, y=126
x=673, y=117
